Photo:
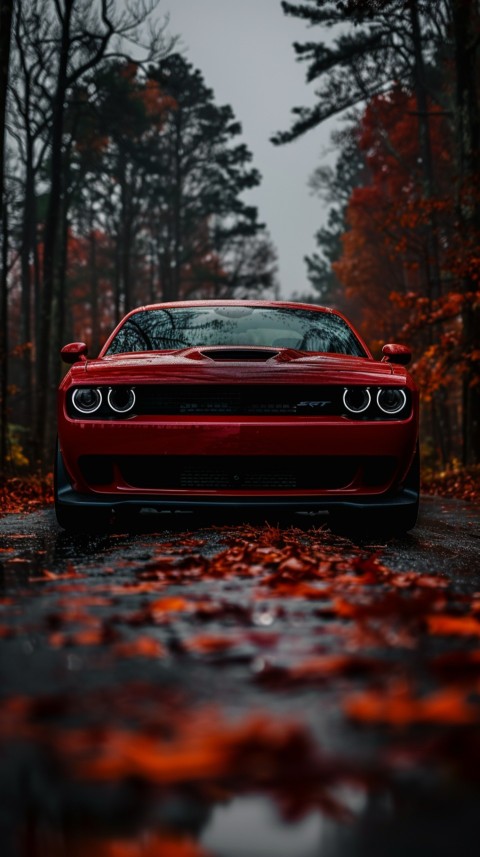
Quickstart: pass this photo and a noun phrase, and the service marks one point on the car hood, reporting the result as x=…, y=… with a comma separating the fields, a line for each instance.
x=234, y=365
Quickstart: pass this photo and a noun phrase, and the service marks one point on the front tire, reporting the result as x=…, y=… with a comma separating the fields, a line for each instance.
x=76, y=519
x=82, y=519
x=407, y=517
x=386, y=522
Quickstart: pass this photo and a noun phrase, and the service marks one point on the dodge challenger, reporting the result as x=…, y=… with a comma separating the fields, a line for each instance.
x=259, y=404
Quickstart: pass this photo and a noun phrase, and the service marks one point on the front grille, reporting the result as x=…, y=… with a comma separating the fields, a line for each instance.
x=240, y=473
x=246, y=400
x=236, y=472
x=225, y=478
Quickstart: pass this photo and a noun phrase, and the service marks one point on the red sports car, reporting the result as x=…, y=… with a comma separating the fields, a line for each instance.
x=209, y=404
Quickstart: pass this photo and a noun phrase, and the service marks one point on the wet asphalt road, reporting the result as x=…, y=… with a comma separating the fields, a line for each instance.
x=446, y=538
x=97, y=631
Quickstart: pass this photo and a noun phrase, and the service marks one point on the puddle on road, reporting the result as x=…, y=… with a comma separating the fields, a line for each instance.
x=251, y=825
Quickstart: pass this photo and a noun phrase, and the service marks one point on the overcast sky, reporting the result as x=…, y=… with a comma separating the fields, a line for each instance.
x=244, y=50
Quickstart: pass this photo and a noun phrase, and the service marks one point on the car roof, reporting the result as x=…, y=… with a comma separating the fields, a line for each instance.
x=231, y=302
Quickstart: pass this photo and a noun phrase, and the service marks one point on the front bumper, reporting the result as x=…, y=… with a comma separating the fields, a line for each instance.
x=158, y=446
x=68, y=497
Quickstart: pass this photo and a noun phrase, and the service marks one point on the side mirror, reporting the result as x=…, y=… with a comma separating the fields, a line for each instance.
x=396, y=354
x=74, y=352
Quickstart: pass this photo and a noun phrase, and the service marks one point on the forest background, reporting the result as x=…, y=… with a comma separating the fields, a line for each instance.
x=124, y=182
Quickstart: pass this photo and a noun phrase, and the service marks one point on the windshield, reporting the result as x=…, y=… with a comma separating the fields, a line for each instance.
x=186, y=327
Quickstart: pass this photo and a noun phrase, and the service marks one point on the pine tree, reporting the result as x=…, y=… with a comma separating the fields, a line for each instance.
x=200, y=185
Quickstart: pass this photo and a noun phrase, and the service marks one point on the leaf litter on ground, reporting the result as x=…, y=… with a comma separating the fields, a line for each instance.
x=308, y=612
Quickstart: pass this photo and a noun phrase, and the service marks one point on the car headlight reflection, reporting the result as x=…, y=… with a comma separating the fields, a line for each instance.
x=121, y=399
x=391, y=401
x=357, y=399
x=87, y=400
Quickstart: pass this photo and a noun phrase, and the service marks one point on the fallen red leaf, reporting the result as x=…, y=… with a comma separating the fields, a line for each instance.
x=208, y=643
x=141, y=647
x=445, y=625
x=146, y=845
x=396, y=706
x=326, y=666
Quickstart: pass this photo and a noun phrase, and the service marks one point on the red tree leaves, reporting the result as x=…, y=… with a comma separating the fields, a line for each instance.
x=409, y=268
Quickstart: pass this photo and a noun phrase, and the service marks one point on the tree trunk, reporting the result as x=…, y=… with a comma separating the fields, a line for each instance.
x=434, y=283
x=51, y=239
x=94, y=290
x=177, y=217
x=26, y=256
x=6, y=8
x=125, y=232
x=62, y=297
x=466, y=22
x=117, y=278
x=4, y=346
x=425, y=145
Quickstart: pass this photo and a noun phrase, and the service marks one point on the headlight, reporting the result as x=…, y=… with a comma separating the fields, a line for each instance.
x=87, y=400
x=357, y=399
x=391, y=401
x=121, y=399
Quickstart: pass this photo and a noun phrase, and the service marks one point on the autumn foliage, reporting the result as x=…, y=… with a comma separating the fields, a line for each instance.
x=400, y=248
x=406, y=265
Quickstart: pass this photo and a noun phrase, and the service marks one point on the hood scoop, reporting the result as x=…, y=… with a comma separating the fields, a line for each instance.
x=256, y=355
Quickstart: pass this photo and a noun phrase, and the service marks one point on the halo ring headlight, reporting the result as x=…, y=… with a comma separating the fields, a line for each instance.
x=87, y=400
x=398, y=400
x=125, y=399
x=357, y=399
